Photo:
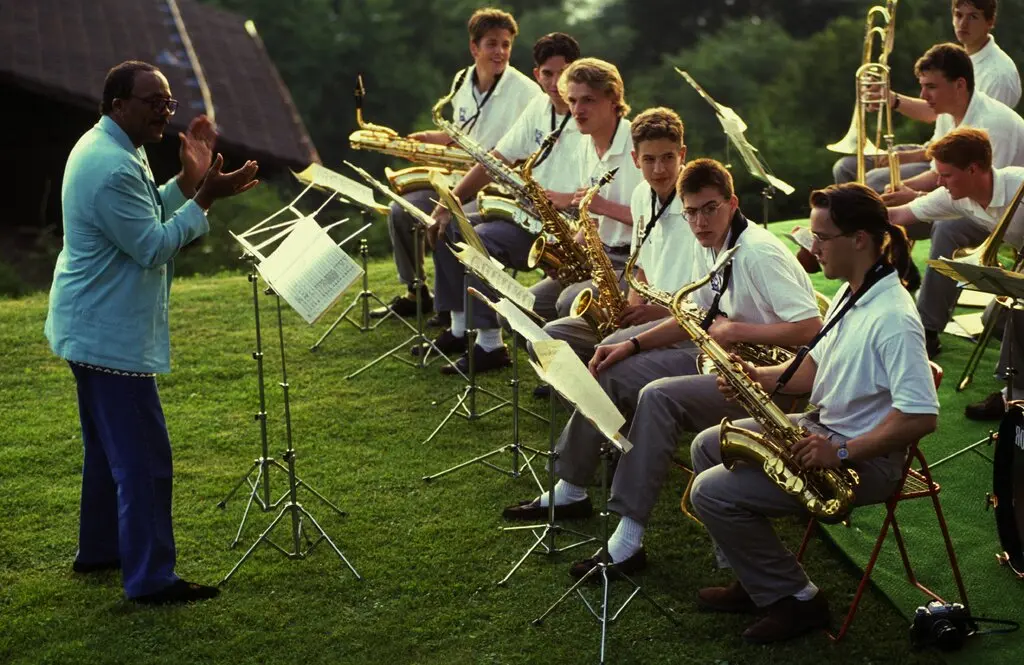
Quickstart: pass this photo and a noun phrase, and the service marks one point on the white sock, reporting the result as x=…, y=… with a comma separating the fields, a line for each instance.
x=565, y=493
x=489, y=339
x=627, y=539
x=808, y=592
x=459, y=324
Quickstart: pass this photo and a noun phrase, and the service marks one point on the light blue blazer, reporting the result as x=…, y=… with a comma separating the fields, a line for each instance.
x=112, y=281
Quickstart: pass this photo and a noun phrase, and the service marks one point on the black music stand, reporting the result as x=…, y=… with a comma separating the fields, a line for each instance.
x=999, y=282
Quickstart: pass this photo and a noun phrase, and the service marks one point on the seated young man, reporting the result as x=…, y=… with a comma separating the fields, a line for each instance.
x=491, y=97
x=969, y=188
x=869, y=378
x=660, y=233
x=596, y=96
x=506, y=240
x=765, y=298
x=995, y=74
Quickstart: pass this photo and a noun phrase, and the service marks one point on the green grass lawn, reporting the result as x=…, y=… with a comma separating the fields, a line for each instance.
x=430, y=553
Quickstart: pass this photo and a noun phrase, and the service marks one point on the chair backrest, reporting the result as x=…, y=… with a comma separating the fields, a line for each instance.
x=936, y=373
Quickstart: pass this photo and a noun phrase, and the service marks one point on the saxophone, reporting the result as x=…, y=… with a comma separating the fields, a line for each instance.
x=756, y=355
x=600, y=311
x=555, y=250
x=825, y=493
x=431, y=157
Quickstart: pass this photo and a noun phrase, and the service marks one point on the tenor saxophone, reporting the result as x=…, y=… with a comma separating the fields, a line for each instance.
x=601, y=305
x=825, y=493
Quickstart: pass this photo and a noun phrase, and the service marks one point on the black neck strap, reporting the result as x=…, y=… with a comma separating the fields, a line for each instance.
x=656, y=212
x=468, y=125
x=736, y=228
x=547, y=153
x=874, y=275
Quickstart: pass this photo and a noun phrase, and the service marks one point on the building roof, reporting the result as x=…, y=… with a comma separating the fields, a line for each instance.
x=63, y=49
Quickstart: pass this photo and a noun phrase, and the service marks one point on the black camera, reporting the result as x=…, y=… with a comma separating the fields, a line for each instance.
x=945, y=626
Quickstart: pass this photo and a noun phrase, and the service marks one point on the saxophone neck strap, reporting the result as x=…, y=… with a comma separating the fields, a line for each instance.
x=736, y=228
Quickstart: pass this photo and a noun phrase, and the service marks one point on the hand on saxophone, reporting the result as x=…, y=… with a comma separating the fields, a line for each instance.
x=815, y=452
x=607, y=355
x=722, y=330
x=561, y=200
x=724, y=387
x=441, y=217
x=634, y=315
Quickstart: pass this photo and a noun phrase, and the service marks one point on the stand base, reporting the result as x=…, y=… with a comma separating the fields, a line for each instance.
x=363, y=325
x=544, y=543
x=990, y=439
x=262, y=466
x=516, y=470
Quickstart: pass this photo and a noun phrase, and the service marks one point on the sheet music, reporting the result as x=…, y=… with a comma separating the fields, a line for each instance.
x=323, y=177
x=981, y=278
x=801, y=237
x=566, y=373
x=500, y=280
x=309, y=270
x=417, y=214
x=515, y=317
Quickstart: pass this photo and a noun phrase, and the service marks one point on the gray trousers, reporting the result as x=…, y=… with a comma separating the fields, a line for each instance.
x=845, y=170
x=400, y=228
x=938, y=294
x=505, y=241
x=737, y=507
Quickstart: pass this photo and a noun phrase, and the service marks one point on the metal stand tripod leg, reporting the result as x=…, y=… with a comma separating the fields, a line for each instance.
x=259, y=487
x=606, y=571
x=419, y=337
x=516, y=448
x=362, y=301
x=544, y=534
x=292, y=507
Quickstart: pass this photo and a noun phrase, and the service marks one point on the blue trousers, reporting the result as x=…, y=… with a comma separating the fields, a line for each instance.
x=126, y=479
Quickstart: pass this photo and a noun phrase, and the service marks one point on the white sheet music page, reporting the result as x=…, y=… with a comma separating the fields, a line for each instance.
x=500, y=280
x=309, y=270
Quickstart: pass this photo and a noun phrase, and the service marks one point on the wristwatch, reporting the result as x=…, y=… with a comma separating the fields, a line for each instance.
x=843, y=452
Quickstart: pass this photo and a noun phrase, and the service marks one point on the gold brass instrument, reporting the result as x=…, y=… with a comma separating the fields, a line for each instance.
x=430, y=156
x=555, y=250
x=872, y=89
x=601, y=310
x=987, y=254
x=826, y=493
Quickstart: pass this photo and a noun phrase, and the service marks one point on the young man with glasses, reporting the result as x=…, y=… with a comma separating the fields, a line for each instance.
x=764, y=298
x=491, y=97
x=870, y=381
x=108, y=318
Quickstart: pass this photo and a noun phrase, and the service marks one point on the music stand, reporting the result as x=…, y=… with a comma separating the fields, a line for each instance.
x=734, y=127
x=311, y=273
x=361, y=196
x=419, y=337
x=560, y=367
x=998, y=281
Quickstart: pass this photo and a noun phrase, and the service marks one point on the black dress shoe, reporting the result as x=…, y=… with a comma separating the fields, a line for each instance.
x=532, y=511
x=543, y=391
x=932, y=344
x=404, y=307
x=440, y=320
x=179, y=592
x=992, y=407
x=96, y=567
x=633, y=564
x=446, y=343
x=483, y=361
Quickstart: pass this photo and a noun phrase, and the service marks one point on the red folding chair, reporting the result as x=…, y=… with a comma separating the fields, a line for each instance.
x=916, y=483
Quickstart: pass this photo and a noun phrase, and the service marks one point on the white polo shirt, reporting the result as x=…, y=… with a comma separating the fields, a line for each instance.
x=511, y=95
x=1005, y=128
x=995, y=73
x=872, y=361
x=620, y=190
x=938, y=204
x=558, y=172
x=767, y=285
x=666, y=256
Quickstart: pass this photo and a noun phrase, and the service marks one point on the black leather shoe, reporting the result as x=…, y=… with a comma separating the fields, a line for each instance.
x=992, y=407
x=179, y=592
x=932, y=344
x=404, y=307
x=532, y=511
x=440, y=320
x=483, y=361
x=633, y=564
x=446, y=343
x=96, y=567
x=543, y=391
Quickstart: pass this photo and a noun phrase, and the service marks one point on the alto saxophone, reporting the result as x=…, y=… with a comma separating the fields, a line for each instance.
x=430, y=156
x=555, y=250
x=600, y=311
x=756, y=355
x=825, y=493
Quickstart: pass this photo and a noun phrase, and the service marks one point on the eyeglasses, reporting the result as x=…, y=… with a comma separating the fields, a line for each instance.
x=705, y=211
x=822, y=238
x=158, y=104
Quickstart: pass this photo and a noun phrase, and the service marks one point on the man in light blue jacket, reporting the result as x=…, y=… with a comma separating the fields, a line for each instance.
x=108, y=319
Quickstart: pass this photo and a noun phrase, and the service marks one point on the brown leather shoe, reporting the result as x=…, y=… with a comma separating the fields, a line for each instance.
x=733, y=598
x=788, y=618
